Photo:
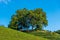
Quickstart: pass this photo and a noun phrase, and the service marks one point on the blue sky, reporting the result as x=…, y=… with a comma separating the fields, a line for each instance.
x=51, y=7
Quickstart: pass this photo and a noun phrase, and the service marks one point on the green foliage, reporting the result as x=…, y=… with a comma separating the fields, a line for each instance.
x=58, y=31
x=10, y=34
x=46, y=34
x=25, y=17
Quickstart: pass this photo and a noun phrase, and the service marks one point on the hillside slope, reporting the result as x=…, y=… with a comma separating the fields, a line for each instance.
x=9, y=34
x=46, y=34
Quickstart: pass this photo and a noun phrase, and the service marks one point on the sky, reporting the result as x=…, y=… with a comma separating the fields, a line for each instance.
x=51, y=7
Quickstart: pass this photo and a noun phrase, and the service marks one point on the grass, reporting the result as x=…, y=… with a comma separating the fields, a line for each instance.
x=46, y=34
x=10, y=34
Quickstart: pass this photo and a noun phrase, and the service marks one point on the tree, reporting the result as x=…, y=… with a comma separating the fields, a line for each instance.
x=58, y=31
x=40, y=17
x=26, y=18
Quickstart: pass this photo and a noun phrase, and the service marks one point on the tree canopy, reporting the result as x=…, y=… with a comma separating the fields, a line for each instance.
x=25, y=18
x=58, y=31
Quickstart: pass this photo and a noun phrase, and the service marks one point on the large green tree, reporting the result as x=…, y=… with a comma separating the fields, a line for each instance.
x=25, y=18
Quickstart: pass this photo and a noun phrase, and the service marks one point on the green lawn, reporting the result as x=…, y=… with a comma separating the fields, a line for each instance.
x=10, y=34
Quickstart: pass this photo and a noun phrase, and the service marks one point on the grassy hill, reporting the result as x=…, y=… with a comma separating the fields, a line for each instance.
x=9, y=34
x=46, y=34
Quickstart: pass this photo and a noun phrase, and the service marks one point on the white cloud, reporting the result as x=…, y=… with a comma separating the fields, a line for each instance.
x=5, y=1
